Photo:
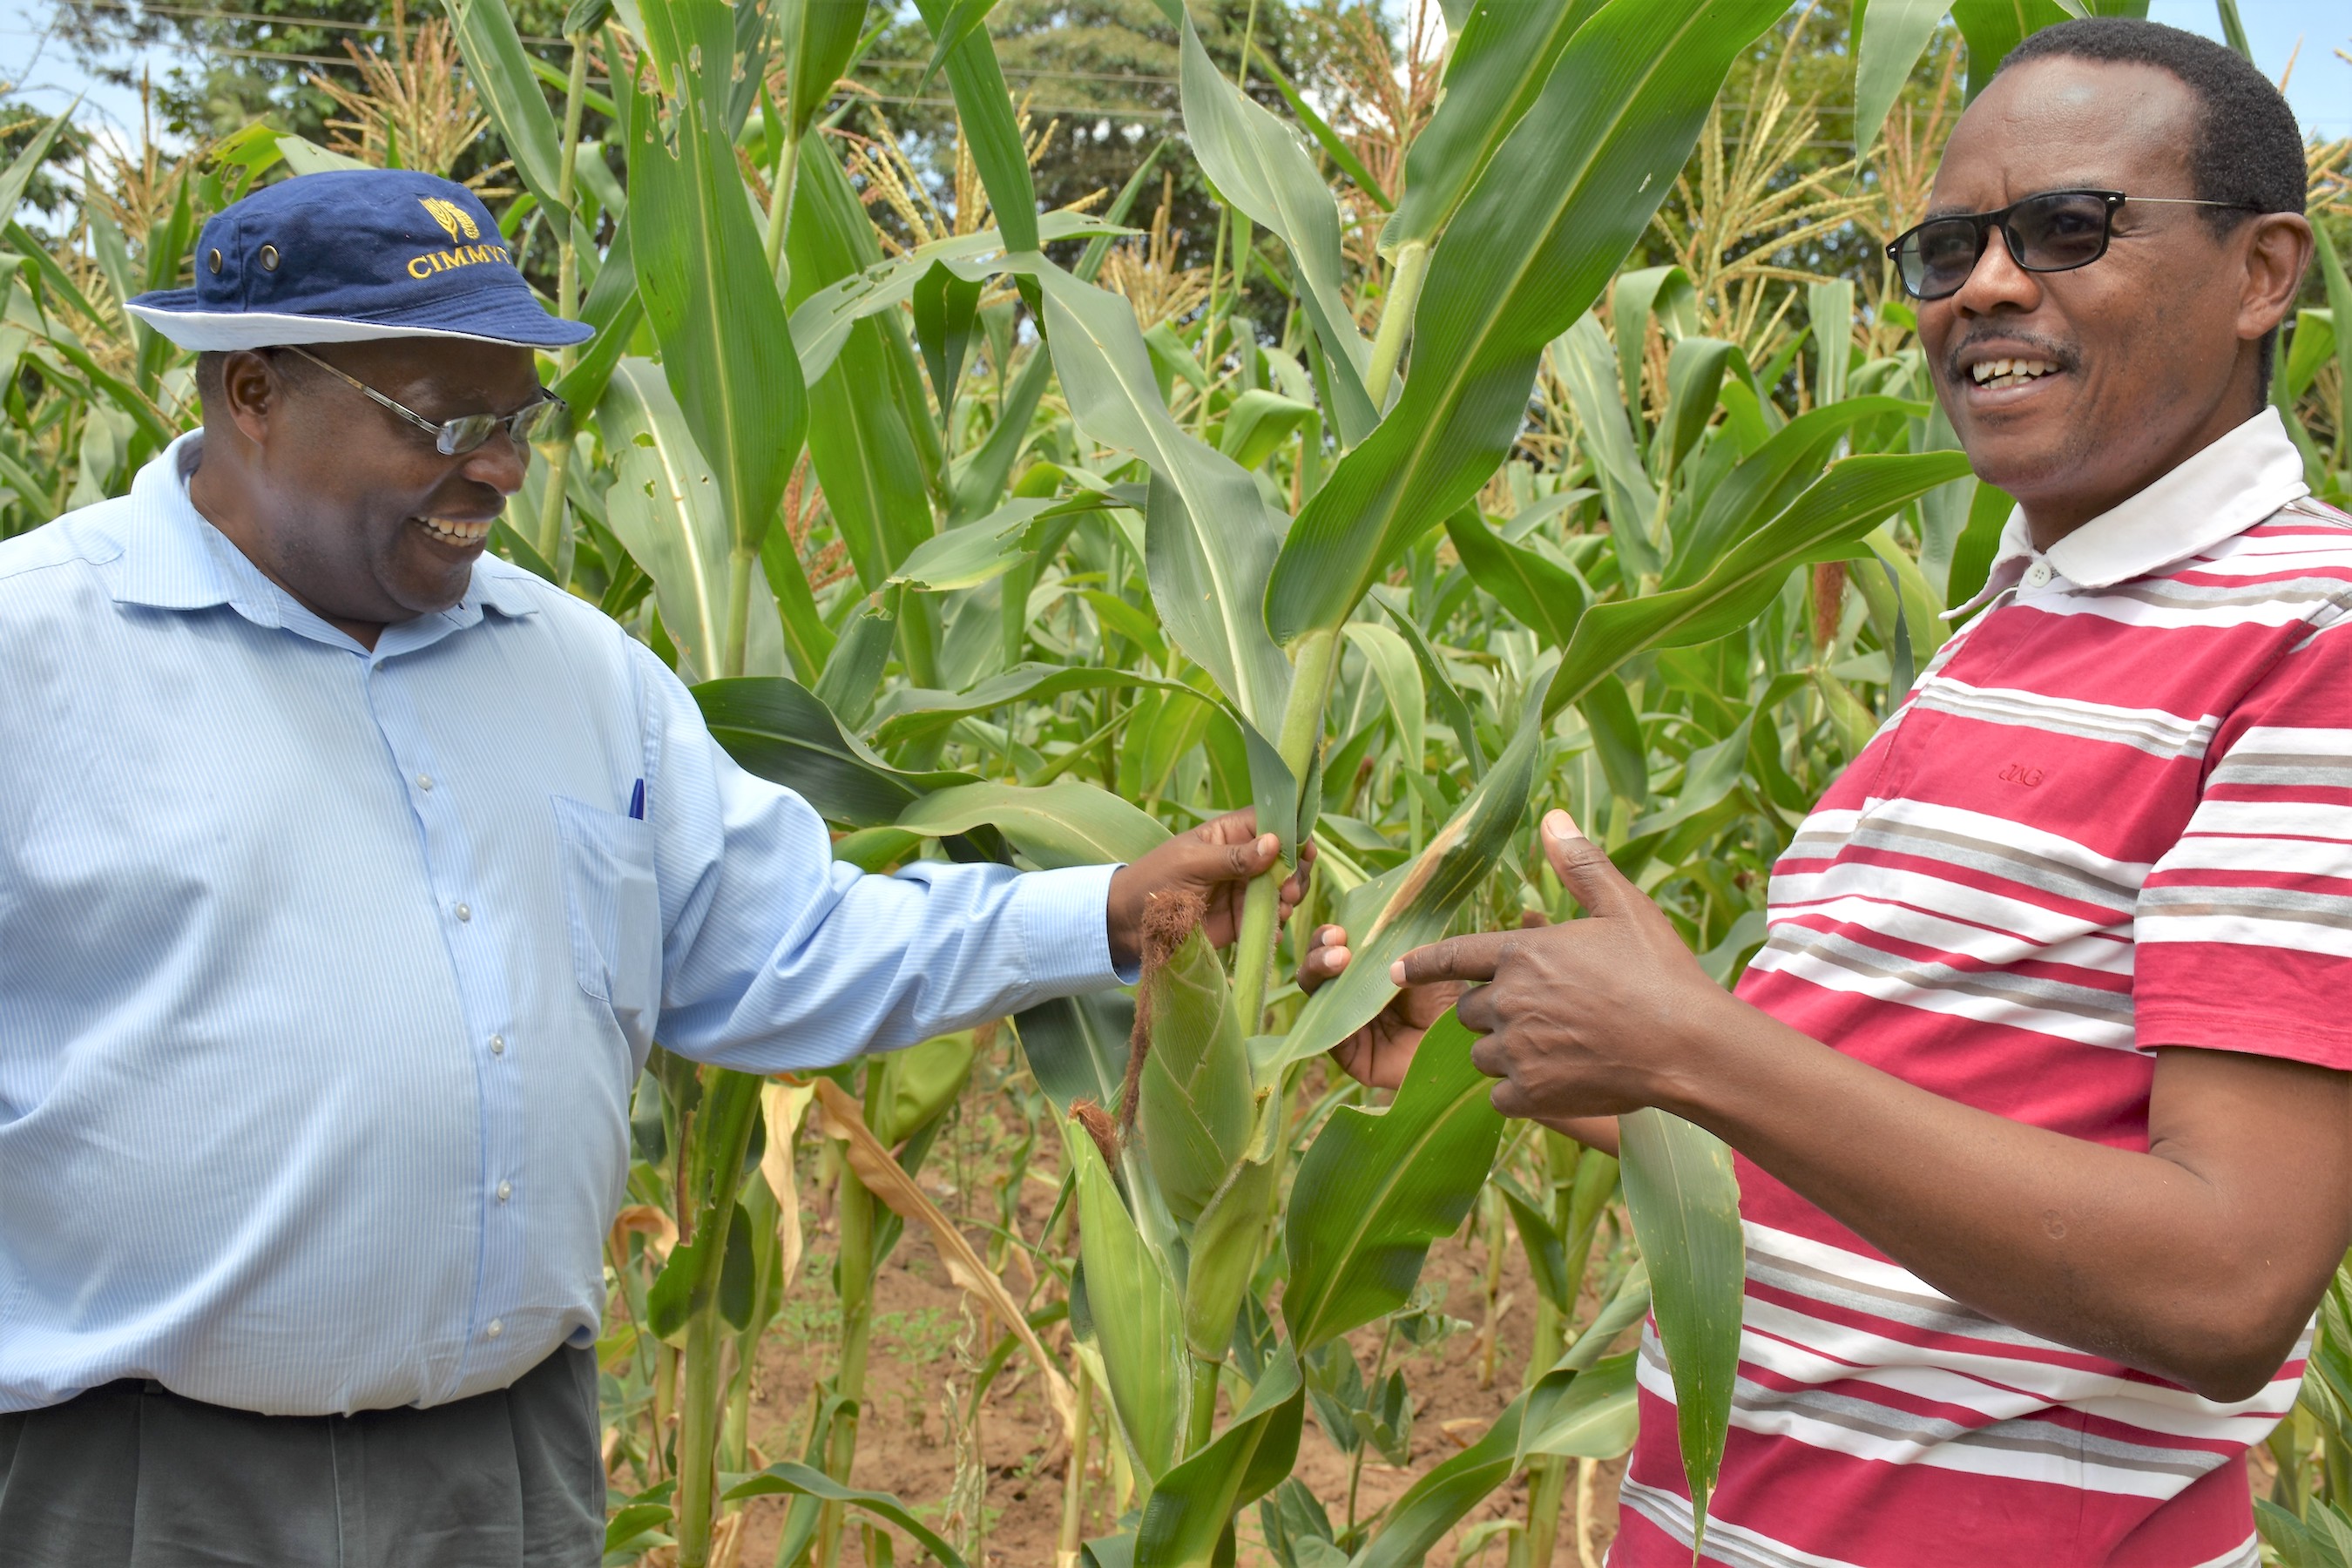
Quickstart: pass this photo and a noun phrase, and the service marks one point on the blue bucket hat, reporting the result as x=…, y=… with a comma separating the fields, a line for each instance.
x=353, y=254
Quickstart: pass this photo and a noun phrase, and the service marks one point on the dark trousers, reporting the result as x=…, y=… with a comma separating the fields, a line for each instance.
x=129, y=1476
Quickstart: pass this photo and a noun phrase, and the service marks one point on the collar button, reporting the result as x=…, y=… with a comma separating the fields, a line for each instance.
x=2037, y=575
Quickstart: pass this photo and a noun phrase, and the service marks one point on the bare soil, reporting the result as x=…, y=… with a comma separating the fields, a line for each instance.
x=918, y=1371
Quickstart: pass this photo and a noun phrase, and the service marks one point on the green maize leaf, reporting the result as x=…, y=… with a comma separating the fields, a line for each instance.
x=1664, y=293
x=1076, y=1047
x=1583, y=358
x=1224, y=1254
x=819, y=38
x=808, y=641
x=1831, y=306
x=1445, y=1492
x=1627, y=1306
x=777, y=729
x=665, y=508
x=2322, y=1539
x=912, y=712
x=1894, y=35
x=865, y=443
x=2234, y=29
x=687, y=1276
x=1377, y=1187
x=946, y=314
x=2339, y=301
x=1138, y=1314
x=1108, y=1552
x=1194, y=1109
x=1572, y=188
x=1587, y=1415
x=853, y=670
x=1321, y=129
x=975, y=553
x=25, y=166
x=1768, y=479
x=1456, y=860
x=1684, y=1202
x=1258, y=423
x=980, y=478
x=1543, y=595
x=802, y=1480
x=2312, y=345
x=821, y=317
x=1450, y=704
x=1398, y=672
x=1193, y=1506
x=1256, y=163
x=500, y=71
x=1694, y=369
x=1210, y=538
x=614, y=309
x=306, y=157
x=1993, y=27
x=1844, y=504
x=964, y=19
x=1547, y=1253
x=1608, y=711
x=1500, y=60
x=924, y=1081
x=726, y=348
x=1067, y=823
x=992, y=134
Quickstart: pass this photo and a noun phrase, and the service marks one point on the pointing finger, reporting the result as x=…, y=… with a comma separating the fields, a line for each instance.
x=1457, y=958
x=1586, y=869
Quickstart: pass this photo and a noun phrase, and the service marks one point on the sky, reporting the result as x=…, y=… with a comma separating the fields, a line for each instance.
x=44, y=72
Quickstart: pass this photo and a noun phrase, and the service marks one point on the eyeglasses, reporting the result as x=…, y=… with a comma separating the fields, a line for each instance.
x=456, y=437
x=2055, y=231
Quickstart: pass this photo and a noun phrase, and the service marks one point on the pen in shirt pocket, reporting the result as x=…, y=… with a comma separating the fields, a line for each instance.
x=637, y=801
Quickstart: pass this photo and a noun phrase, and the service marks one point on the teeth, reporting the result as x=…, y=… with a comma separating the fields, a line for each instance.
x=455, y=532
x=2009, y=372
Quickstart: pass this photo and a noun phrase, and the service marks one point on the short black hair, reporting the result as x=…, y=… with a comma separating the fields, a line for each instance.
x=2247, y=149
x=212, y=368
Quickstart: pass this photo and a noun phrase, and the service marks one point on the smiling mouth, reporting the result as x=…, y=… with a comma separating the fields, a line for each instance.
x=449, y=531
x=1995, y=373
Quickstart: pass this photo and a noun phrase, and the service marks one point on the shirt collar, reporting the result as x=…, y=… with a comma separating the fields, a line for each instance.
x=2218, y=494
x=166, y=554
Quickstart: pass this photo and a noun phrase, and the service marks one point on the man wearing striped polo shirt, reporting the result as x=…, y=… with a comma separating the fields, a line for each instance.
x=2039, y=1087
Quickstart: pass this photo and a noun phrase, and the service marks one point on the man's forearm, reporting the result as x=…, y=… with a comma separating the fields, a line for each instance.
x=2141, y=1257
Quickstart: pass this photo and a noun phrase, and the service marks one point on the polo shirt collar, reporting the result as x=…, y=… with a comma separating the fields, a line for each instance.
x=2218, y=494
x=167, y=555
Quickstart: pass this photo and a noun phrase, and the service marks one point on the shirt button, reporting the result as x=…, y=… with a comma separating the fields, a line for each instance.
x=465, y=912
x=497, y=1045
x=506, y=1191
x=2037, y=574
x=425, y=782
x=495, y=1329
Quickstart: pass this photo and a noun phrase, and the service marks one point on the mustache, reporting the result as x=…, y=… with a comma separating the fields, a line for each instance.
x=2061, y=354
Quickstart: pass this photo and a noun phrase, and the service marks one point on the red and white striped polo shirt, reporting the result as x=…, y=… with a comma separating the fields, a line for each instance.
x=2115, y=813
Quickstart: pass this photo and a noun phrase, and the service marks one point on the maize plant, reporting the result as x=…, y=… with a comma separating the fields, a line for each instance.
x=950, y=540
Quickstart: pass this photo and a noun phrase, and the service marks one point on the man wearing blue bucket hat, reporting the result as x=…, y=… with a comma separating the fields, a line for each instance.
x=347, y=874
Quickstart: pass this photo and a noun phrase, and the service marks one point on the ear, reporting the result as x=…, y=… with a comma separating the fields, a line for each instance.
x=2278, y=252
x=253, y=391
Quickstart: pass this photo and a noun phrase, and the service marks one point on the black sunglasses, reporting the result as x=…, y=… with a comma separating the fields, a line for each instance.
x=456, y=437
x=2055, y=231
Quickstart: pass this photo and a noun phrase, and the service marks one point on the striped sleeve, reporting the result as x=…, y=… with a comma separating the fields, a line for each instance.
x=2244, y=927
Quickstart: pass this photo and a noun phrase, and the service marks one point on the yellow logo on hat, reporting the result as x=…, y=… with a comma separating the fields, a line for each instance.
x=452, y=217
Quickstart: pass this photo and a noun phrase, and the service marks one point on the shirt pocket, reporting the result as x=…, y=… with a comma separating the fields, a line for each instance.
x=614, y=907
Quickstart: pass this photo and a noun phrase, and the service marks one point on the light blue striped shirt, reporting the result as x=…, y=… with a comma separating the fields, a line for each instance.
x=325, y=974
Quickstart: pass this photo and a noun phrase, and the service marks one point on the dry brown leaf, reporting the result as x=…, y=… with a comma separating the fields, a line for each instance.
x=659, y=1230
x=887, y=1180
x=785, y=1103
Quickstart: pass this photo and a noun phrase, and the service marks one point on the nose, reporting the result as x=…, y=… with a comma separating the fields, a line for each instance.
x=499, y=462
x=1997, y=282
